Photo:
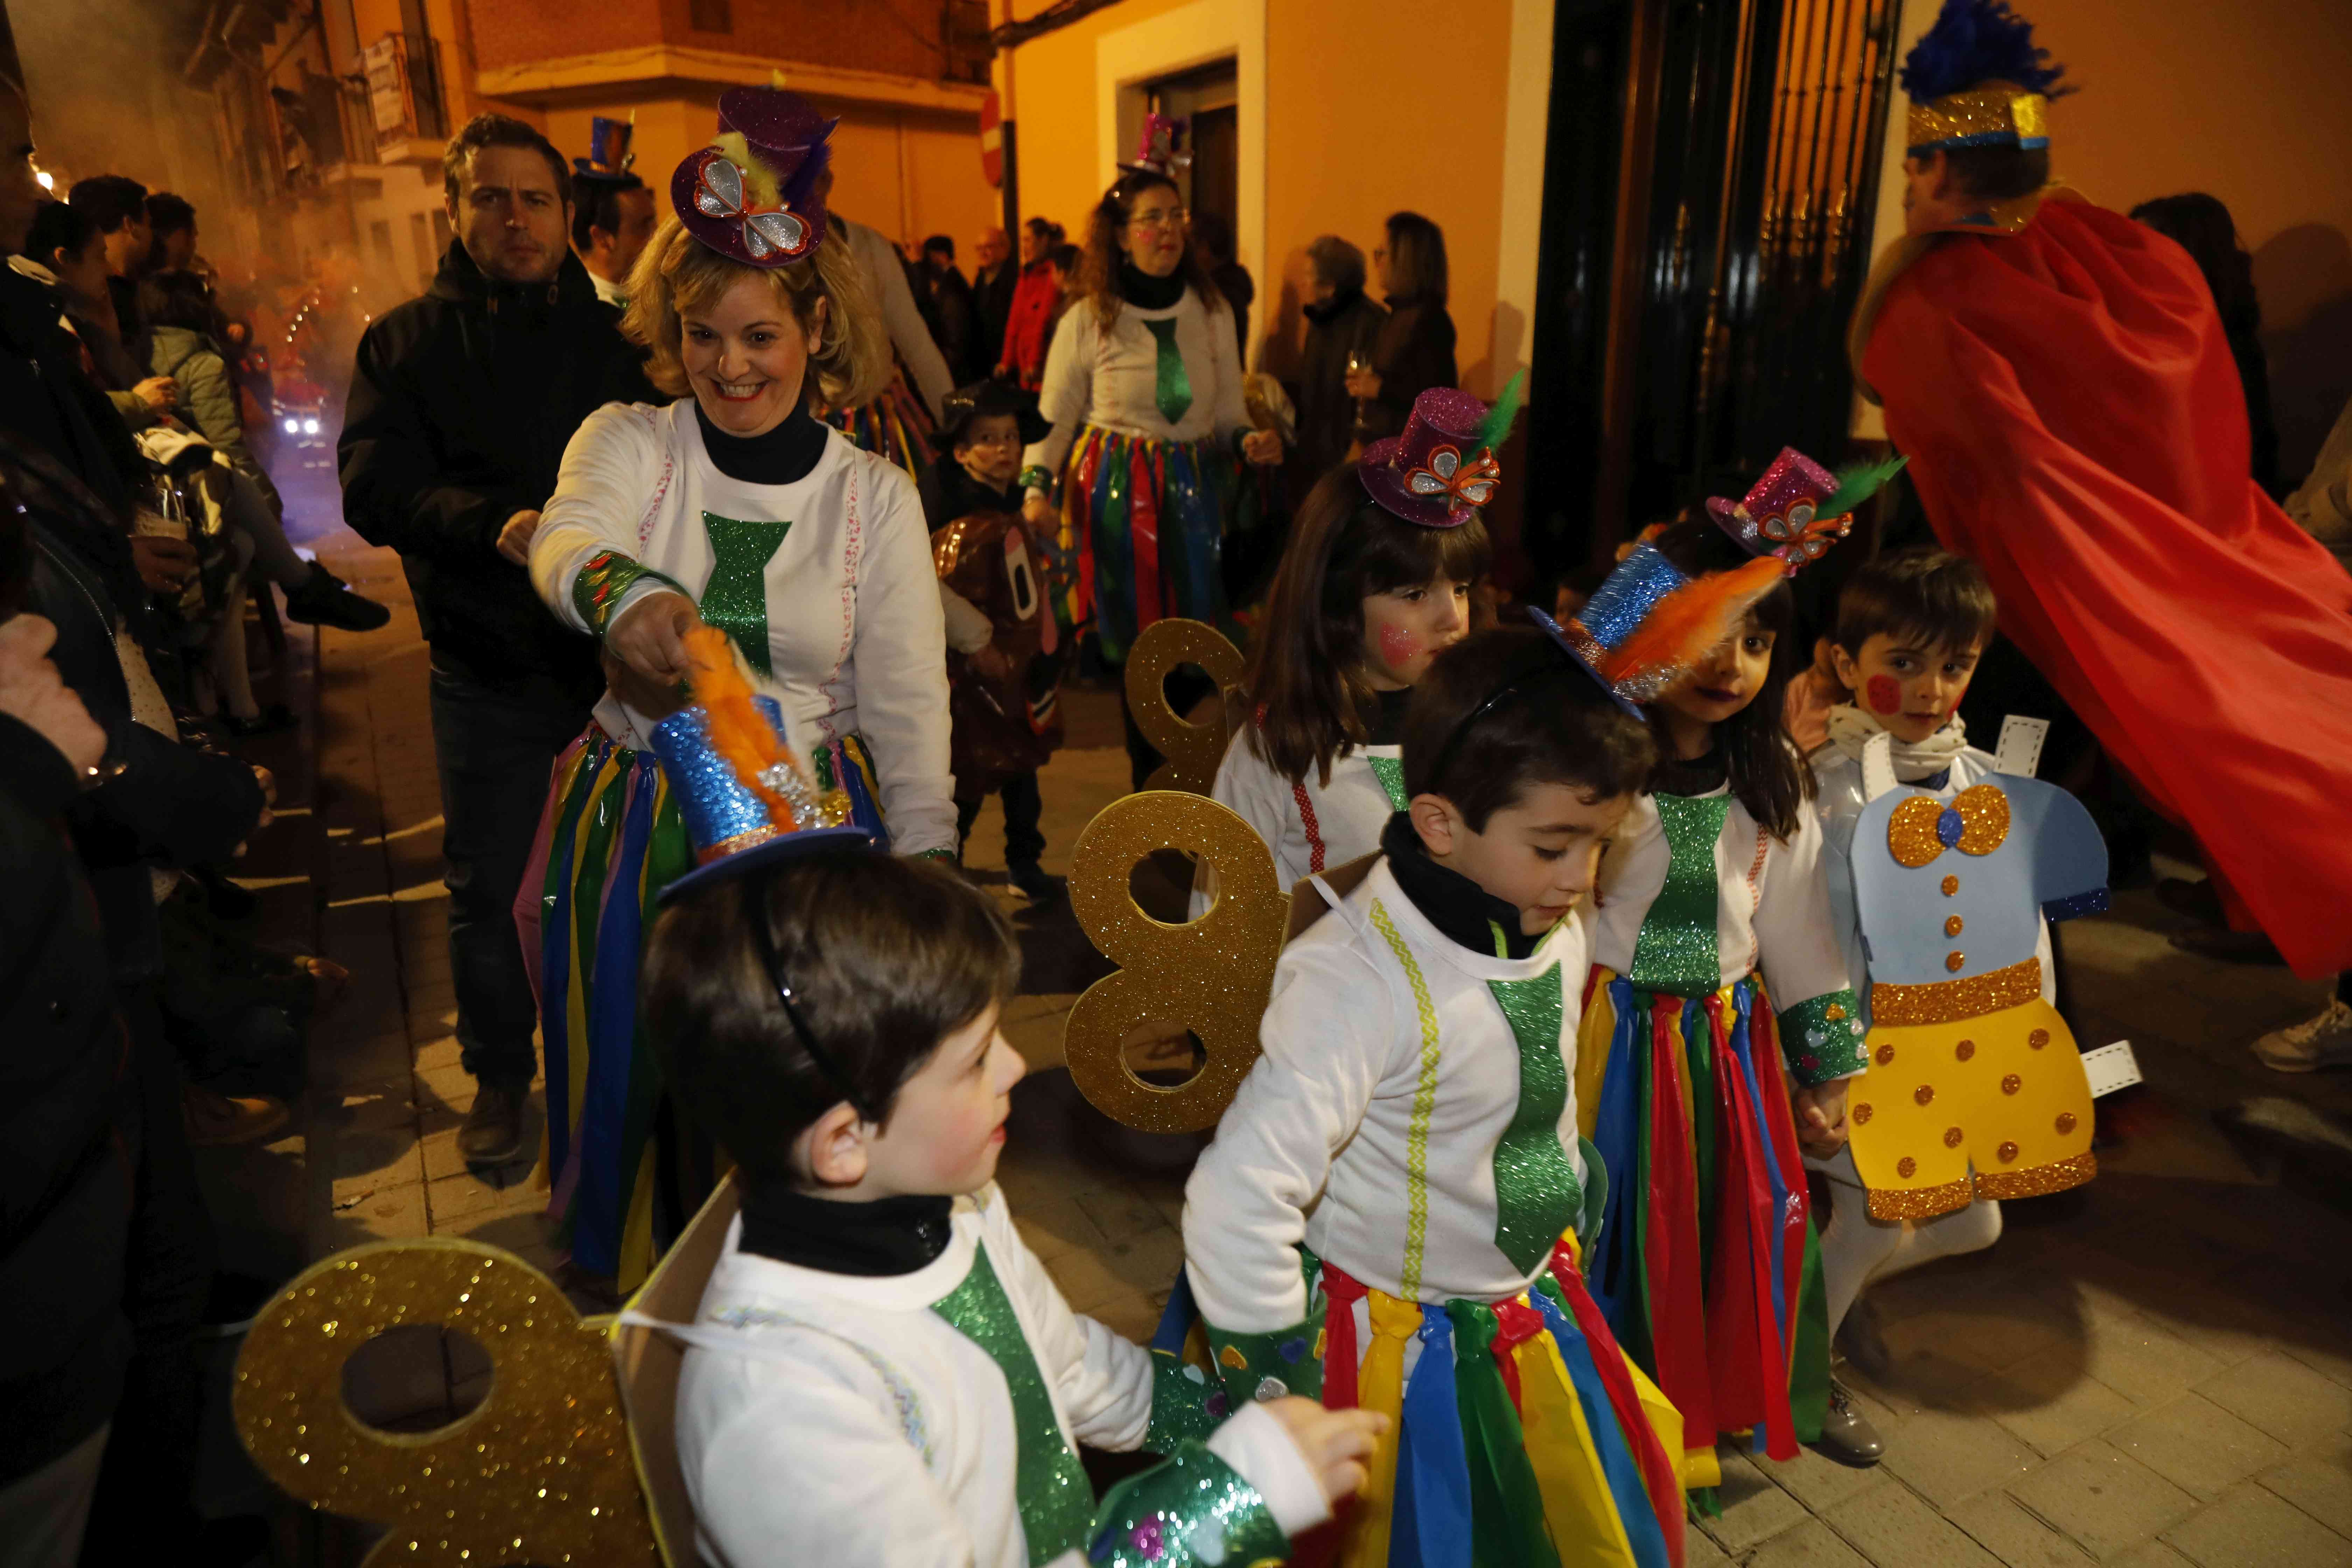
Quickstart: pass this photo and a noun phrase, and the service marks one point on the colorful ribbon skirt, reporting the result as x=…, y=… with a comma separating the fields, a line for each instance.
x=1707, y=1267
x=894, y=426
x=1518, y=1433
x=1143, y=526
x=624, y=1176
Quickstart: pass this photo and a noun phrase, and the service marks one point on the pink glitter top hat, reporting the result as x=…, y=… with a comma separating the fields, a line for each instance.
x=1441, y=468
x=768, y=214
x=1799, y=508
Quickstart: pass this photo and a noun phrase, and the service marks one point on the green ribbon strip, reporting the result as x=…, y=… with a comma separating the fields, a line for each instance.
x=1506, y=1510
x=1822, y=1037
x=1174, y=390
x=1057, y=1504
x=1676, y=951
x=735, y=600
x=604, y=581
x=1191, y=1511
x=1390, y=771
x=1537, y=1195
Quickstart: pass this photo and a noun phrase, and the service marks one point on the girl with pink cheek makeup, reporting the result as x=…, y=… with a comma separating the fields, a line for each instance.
x=1376, y=580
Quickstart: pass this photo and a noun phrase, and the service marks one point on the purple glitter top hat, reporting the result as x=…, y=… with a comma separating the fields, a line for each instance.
x=1441, y=471
x=1799, y=508
x=769, y=214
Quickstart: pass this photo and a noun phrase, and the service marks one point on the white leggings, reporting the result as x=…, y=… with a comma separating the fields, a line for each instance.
x=1857, y=1249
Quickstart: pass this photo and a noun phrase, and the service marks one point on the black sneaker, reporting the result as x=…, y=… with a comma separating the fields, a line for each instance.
x=323, y=600
x=1037, y=885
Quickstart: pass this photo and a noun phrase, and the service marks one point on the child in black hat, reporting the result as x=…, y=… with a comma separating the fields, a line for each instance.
x=1004, y=646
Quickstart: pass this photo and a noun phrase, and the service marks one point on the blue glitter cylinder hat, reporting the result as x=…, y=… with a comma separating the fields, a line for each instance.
x=1641, y=582
x=609, y=157
x=733, y=830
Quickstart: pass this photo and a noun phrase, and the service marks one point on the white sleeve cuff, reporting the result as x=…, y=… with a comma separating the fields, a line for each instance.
x=1260, y=1451
x=642, y=588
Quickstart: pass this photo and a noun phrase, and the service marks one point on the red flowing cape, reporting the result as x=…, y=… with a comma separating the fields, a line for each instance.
x=2075, y=424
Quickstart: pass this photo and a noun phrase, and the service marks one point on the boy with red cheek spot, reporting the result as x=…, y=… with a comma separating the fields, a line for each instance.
x=1910, y=628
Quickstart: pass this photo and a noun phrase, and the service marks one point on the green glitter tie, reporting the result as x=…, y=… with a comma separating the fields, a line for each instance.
x=1175, y=389
x=1057, y=1505
x=1390, y=771
x=1676, y=951
x=1537, y=1196
x=735, y=600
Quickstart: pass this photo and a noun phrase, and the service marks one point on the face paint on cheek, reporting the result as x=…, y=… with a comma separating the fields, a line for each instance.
x=1398, y=646
x=1885, y=694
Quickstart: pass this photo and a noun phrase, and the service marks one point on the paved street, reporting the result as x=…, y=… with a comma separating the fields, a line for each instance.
x=2154, y=1372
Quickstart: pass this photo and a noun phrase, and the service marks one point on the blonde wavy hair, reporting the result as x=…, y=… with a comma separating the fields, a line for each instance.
x=677, y=273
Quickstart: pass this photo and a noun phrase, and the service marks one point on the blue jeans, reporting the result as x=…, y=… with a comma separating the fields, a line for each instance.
x=496, y=751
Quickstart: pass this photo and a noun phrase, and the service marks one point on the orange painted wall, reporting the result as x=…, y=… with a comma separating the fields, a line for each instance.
x=2244, y=101
x=1352, y=133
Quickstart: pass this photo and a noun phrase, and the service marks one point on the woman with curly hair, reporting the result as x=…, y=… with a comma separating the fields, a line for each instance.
x=734, y=507
x=1143, y=387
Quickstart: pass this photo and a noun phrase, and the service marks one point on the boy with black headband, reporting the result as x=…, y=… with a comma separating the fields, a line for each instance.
x=1410, y=1130
x=881, y=1372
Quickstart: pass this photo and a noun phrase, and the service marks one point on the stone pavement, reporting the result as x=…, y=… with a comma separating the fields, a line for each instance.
x=2154, y=1371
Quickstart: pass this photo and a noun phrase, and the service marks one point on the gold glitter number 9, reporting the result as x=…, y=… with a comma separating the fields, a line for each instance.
x=539, y=1472
x=1193, y=751
x=1212, y=976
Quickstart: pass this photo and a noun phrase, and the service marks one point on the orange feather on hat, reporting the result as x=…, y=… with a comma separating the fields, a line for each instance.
x=738, y=730
x=1680, y=629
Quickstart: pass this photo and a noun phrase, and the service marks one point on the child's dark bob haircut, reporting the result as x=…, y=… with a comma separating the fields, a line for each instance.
x=1504, y=710
x=1927, y=595
x=1307, y=686
x=887, y=957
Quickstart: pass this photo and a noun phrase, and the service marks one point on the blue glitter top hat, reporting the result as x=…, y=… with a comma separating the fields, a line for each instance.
x=1650, y=621
x=733, y=830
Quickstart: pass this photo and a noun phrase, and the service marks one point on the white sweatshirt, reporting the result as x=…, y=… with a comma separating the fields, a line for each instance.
x=1771, y=907
x=902, y=320
x=1113, y=380
x=1368, y=1128
x=855, y=641
x=841, y=1421
x=1307, y=826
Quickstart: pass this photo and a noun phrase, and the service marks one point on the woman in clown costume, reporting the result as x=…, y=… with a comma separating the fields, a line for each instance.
x=734, y=507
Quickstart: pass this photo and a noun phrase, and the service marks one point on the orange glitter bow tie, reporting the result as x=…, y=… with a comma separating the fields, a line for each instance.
x=1467, y=484
x=1922, y=827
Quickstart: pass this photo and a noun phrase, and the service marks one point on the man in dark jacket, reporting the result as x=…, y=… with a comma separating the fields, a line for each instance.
x=461, y=404
x=950, y=314
x=993, y=279
x=68, y=1107
x=1341, y=323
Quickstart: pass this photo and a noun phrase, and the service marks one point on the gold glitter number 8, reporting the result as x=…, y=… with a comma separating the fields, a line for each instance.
x=539, y=1472
x=1212, y=976
x=1193, y=751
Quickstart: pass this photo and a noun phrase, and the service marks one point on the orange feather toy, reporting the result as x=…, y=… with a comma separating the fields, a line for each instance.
x=739, y=731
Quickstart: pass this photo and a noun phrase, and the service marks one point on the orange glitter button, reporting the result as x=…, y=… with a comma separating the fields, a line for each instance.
x=2007, y=1152
x=1924, y=1093
x=1965, y=1050
x=2065, y=1121
x=1953, y=961
x=1954, y=925
x=1952, y=1137
x=2011, y=1084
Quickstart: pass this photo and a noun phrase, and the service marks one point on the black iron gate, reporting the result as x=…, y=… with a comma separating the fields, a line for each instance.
x=1711, y=169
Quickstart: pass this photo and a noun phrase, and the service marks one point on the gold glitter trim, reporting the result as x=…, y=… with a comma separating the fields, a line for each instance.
x=742, y=841
x=1998, y=112
x=1919, y=1202
x=1952, y=1001
x=2053, y=1177
x=1984, y=818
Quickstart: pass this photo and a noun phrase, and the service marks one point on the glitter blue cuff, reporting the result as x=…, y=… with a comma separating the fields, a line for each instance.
x=1822, y=1037
x=2094, y=902
x=1268, y=1366
x=1192, y=1512
x=1185, y=1405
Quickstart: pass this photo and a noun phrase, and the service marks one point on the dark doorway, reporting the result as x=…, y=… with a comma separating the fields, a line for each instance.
x=1208, y=98
x=1711, y=167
